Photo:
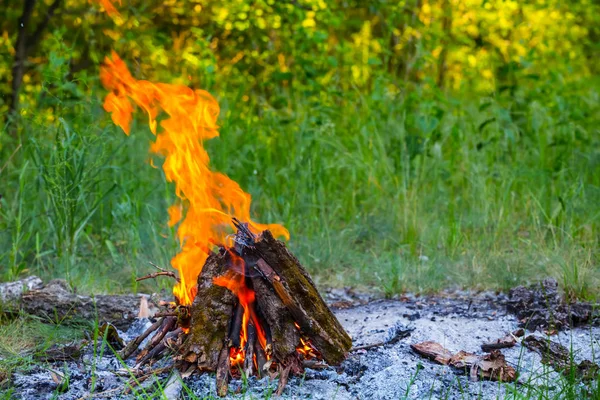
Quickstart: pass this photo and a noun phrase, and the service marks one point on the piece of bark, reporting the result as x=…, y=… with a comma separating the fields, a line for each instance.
x=211, y=312
x=284, y=373
x=502, y=343
x=434, y=351
x=462, y=359
x=56, y=302
x=493, y=367
x=298, y=293
x=11, y=292
x=553, y=354
x=222, y=375
x=285, y=336
x=62, y=352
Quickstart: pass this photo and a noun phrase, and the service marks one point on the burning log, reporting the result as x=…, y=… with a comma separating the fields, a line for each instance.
x=284, y=335
x=256, y=310
x=249, y=351
x=297, y=291
x=210, y=316
x=278, y=320
x=235, y=326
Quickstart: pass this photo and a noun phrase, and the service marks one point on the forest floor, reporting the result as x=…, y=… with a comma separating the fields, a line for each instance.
x=458, y=320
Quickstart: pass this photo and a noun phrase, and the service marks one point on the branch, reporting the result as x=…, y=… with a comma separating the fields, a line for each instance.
x=155, y=274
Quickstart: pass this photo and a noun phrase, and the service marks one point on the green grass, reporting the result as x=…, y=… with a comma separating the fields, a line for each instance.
x=415, y=191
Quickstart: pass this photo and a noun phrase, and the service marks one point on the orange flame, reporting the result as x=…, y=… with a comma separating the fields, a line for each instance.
x=246, y=296
x=211, y=198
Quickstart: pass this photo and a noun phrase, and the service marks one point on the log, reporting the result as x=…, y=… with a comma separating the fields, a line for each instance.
x=284, y=334
x=223, y=374
x=249, y=356
x=211, y=312
x=298, y=293
x=56, y=302
x=11, y=292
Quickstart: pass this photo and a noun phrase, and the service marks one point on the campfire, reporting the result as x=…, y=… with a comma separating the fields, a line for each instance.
x=256, y=313
x=243, y=303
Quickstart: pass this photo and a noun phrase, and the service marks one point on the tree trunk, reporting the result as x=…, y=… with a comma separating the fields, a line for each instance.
x=18, y=69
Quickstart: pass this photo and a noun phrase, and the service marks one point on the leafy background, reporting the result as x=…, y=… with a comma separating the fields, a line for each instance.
x=407, y=145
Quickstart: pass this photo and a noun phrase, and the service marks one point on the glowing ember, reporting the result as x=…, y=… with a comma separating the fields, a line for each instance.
x=211, y=199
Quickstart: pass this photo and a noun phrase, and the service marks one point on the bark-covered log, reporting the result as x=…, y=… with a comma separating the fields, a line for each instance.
x=57, y=303
x=211, y=312
x=11, y=292
x=285, y=335
x=298, y=292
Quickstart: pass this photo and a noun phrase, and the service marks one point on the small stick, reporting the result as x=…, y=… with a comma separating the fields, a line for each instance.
x=284, y=374
x=160, y=347
x=155, y=274
x=134, y=344
x=168, y=324
x=167, y=314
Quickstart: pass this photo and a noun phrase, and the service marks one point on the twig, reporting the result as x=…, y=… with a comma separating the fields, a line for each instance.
x=134, y=344
x=155, y=274
x=167, y=314
x=157, y=267
x=284, y=373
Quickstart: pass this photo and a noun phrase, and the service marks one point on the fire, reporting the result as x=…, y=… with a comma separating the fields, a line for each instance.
x=305, y=348
x=235, y=281
x=210, y=198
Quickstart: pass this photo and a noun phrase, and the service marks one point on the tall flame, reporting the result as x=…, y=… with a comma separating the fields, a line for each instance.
x=210, y=198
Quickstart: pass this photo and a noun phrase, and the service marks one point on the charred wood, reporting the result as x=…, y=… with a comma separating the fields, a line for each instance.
x=283, y=337
x=223, y=372
x=132, y=346
x=249, y=350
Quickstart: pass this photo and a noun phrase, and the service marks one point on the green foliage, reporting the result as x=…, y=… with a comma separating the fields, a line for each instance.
x=407, y=145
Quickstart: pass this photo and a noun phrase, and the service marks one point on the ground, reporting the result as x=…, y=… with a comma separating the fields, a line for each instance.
x=457, y=320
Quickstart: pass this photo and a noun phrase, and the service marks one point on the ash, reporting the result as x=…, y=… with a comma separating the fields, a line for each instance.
x=456, y=320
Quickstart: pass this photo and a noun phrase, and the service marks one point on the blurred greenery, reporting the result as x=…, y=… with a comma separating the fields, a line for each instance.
x=408, y=145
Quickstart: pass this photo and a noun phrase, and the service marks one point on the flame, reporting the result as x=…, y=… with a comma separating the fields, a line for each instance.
x=211, y=198
x=236, y=282
x=306, y=348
